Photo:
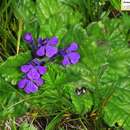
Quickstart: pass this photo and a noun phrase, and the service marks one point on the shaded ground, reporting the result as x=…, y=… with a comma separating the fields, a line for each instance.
x=71, y=122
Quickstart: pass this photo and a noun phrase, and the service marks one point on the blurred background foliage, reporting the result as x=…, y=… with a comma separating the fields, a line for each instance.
x=47, y=18
x=102, y=32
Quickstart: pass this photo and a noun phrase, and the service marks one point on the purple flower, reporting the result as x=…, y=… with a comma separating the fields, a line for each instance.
x=32, y=79
x=70, y=55
x=28, y=38
x=33, y=71
x=46, y=47
x=30, y=86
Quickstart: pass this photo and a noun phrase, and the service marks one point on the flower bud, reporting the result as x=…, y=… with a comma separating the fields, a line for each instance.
x=28, y=38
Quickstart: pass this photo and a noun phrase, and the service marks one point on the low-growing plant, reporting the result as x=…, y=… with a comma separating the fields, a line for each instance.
x=63, y=75
x=96, y=90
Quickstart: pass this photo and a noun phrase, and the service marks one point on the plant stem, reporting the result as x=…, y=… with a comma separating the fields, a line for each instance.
x=19, y=35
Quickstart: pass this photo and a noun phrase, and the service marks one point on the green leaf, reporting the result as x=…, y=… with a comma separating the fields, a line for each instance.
x=46, y=18
x=117, y=110
x=11, y=99
x=106, y=56
x=71, y=35
x=80, y=103
x=55, y=75
x=10, y=69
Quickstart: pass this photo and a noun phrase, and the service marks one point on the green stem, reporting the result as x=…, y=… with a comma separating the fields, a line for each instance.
x=19, y=35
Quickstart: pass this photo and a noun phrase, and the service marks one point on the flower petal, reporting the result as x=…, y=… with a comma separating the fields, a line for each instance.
x=33, y=74
x=74, y=57
x=22, y=83
x=73, y=47
x=39, y=82
x=28, y=37
x=51, y=51
x=66, y=61
x=41, y=51
x=26, y=68
x=30, y=88
x=41, y=69
x=53, y=41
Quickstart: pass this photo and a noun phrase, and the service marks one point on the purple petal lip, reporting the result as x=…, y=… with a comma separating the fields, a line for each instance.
x=41, y=51
x=66, y=61
x=41, y=69
x=73, y=47
x=74, y=57
x=53, y=41
x=38, y=82
x=28, y=37
x=30, y=88
x=33, y=74
x=22, y=83
x=51, y=51
x=26, y=68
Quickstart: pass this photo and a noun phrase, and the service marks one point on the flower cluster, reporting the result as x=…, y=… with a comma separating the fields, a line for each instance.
x=32, y=78
x=46, y=47
x=34, y=70
x=70, y=55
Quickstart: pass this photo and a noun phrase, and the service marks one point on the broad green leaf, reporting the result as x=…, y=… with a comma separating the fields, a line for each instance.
x=46, y=18
x=10, y=69
x=106, y=55
x=117, y=109
x=11, y=101
x=81, y=103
